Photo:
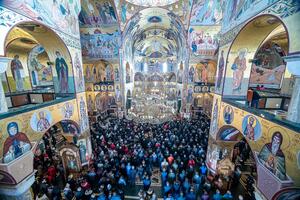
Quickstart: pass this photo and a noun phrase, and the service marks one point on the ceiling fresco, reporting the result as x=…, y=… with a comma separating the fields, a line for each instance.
x=156, y=44
x=59, y=15
x=154, y=33
x=152, y=3
x=207, y=12
x=128, y=8
x=154, y=28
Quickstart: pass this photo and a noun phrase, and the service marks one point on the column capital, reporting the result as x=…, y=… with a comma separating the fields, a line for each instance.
x=293, y=64
x=4, y=63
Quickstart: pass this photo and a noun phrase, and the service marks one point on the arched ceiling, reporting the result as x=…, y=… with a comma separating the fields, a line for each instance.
x=155, y=44
x=152, y=3
x=128, y=8
x=154, y=33
x=144, y=26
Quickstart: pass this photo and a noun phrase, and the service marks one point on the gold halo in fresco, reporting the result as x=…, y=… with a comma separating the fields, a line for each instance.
x=286, y=139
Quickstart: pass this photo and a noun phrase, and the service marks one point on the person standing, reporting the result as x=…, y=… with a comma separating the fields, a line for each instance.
x=146, y=183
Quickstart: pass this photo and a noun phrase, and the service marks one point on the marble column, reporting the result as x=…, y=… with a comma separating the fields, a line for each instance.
x=294, y=106
x=3, y=66
x=293, y=66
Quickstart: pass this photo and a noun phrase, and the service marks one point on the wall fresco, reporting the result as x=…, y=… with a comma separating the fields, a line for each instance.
x=278, y=155
x=237, y=12
x=35, y=123
x=207, y=12
x=204, y=40
x=100, y=46
x=61, y=15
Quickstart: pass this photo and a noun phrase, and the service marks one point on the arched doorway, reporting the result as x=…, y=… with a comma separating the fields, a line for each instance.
x=233, y=145
x=61, y=152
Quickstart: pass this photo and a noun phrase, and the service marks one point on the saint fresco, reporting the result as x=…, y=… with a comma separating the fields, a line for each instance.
x=251, y=128
x=219, y=77
x=41, y=121
x=228, y=114
x=238, y=67
x=214, y=122
x=84, y=121
x=272, y=157
x=82, y=151
x=16, y=144
x=62, y=71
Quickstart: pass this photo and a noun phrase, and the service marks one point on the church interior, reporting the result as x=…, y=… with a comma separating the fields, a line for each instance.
x=149, y=99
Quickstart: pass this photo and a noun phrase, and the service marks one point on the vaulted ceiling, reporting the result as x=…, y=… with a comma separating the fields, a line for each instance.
x=155, y=28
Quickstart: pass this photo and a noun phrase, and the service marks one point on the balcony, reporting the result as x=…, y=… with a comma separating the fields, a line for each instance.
x=23, y=102
x=276, y=115
x=17, y=170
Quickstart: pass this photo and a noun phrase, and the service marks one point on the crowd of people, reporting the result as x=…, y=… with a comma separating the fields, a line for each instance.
x=125, y=152
x=129, y=152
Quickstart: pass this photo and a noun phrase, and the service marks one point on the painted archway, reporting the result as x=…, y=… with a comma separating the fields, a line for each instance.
x=28, y=35
x=242, y=52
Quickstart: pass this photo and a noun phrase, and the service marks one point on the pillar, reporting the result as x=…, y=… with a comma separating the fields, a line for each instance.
x=3, y=66
x=293, y=66
x=21, y=191
x=294, y=106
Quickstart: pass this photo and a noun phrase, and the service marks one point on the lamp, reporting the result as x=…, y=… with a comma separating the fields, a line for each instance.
x=293, y=64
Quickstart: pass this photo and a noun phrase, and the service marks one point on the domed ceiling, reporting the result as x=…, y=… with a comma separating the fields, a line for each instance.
x=154, y=33
x=126, y=9
x=149, y=28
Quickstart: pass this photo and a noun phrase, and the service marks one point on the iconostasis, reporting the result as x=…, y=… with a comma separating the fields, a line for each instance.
x=155, y=97
x=102, y=83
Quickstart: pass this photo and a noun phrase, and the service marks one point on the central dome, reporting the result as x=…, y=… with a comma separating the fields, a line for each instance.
x=152, y=3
